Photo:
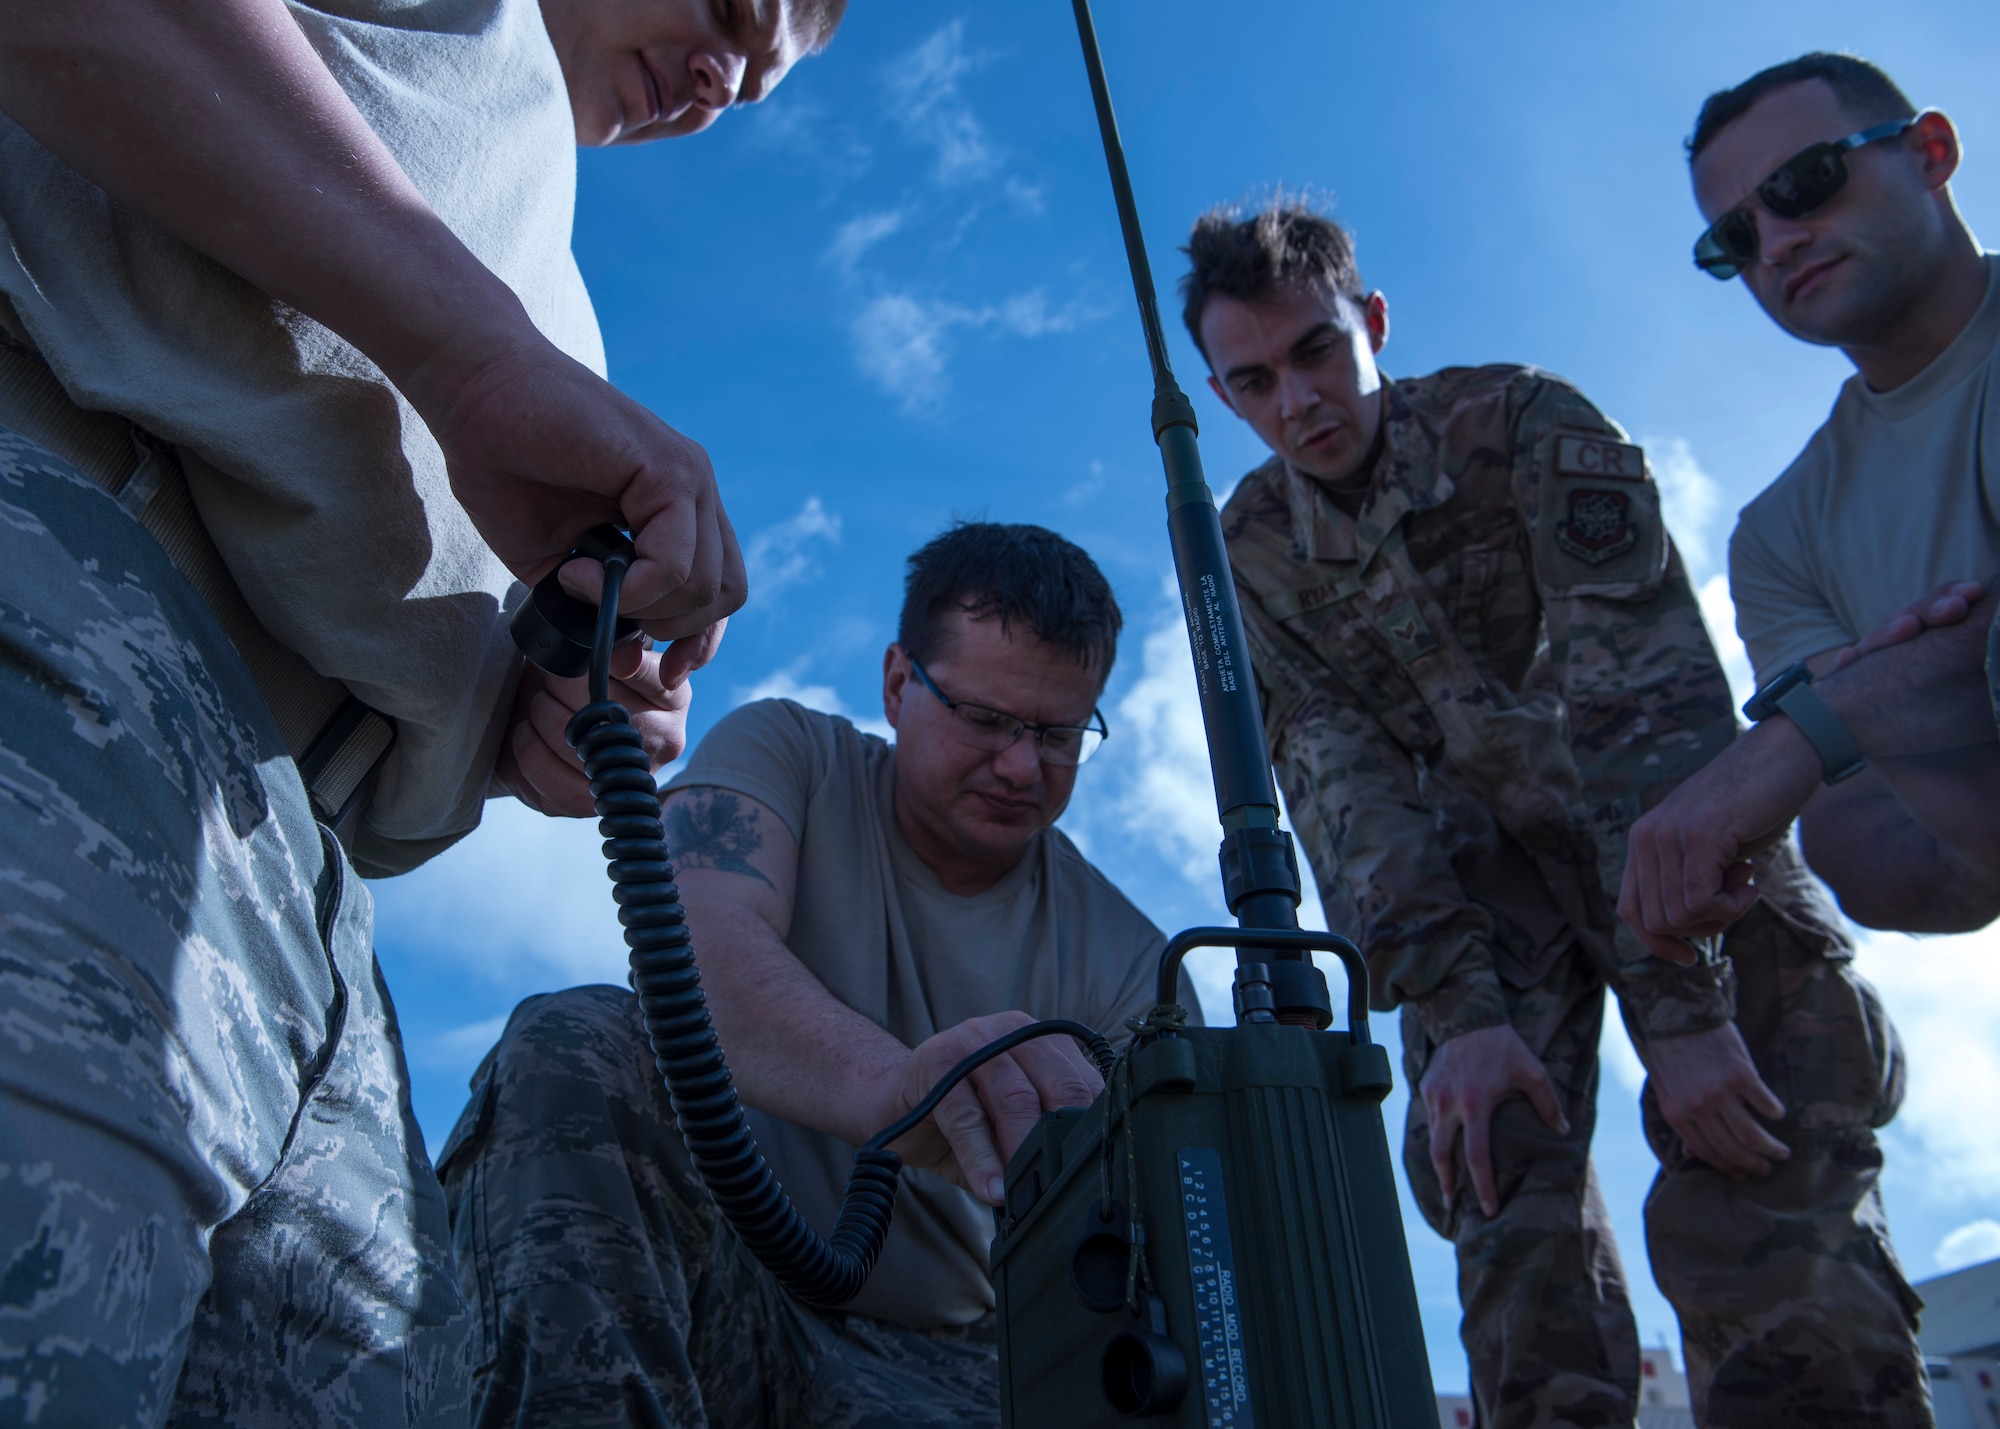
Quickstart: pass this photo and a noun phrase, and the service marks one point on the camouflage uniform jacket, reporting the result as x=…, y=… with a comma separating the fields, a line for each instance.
x=1475, y=685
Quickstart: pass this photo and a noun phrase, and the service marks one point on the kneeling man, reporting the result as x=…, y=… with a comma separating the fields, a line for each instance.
x=866, y=914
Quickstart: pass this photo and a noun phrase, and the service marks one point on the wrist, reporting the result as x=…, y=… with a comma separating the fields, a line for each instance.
x=1467, y=1001
x=1790, y=695
x=1661, y=1000
x=460, y=327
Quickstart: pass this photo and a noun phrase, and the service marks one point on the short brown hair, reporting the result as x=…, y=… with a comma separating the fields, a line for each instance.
x=1020, y=573
x=1864, y=90
x=1283, y=244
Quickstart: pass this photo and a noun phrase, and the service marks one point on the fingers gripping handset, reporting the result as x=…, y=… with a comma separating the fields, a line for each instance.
x=558, y=631
x=826, y=1271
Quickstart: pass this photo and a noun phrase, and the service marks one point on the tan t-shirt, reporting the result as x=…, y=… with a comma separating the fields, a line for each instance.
x=870, y=920
x=325, y=493
x=1896, y=494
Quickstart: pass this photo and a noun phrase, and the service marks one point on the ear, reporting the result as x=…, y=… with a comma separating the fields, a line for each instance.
x=1937, y=143
x=895, y=677
x=1221, y=393
x=1375, y=312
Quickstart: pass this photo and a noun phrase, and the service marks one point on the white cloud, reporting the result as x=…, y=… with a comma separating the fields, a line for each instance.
x=1944, y=996
x=1720, y=614
x=859, y=234
x=1081, y=491
x=1028, y=315
x=781, y=555
x=785, y=684
x=901, y=341
x=1168, y=799
x=462, y=1047
x=1691, y=500
x=924, y=96
x=523, y=901
x=1617, y=1054
x=1971, y=1244
x=1164, y=796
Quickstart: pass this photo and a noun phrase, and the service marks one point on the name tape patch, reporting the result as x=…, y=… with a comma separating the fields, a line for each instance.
x=1601, y=458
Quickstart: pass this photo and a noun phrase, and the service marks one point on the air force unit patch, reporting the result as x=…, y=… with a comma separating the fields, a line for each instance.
x=1598, y=525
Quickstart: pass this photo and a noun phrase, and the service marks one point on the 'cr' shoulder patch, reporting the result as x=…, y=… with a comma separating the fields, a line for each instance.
x=1596, y=525
x=1599, y=457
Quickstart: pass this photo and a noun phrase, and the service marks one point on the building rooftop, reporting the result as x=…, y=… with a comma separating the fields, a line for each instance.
x=1962, y=1312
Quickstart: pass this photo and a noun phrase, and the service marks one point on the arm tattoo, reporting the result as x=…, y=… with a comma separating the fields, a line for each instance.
x=712, y=829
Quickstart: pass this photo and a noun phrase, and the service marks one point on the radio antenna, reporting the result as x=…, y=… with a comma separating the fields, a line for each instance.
x=1260, y=873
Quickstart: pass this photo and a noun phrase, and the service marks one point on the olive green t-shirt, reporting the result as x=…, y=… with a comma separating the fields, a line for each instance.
x=870, y=920
x=1897, y=493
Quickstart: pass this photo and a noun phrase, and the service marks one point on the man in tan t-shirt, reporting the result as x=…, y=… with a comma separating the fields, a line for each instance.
x=1866, y=563
x=866, y=915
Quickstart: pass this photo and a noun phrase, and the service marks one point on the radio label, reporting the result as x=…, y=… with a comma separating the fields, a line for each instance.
x=1218, y=1308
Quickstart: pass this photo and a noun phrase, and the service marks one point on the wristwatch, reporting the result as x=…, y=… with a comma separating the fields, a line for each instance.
x=1790, y=693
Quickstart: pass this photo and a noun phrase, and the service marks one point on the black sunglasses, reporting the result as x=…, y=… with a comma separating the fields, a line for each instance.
x=1798, y=186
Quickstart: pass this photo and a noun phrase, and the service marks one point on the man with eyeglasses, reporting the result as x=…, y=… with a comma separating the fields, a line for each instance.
x=1861, y=576
x=1481, y=659
x=866, y=914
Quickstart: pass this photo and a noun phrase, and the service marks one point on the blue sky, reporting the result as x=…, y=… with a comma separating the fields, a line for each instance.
x=893, y=295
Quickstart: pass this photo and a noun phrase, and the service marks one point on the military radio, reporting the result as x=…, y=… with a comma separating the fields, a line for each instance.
x=1215, y=1243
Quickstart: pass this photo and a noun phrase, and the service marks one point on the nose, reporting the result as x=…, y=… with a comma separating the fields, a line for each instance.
x=718, y=78
x=1296, y=395
x=1779, y=239
x=1020, y=763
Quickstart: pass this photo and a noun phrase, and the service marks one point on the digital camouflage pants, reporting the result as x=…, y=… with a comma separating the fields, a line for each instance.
x=214, y=1205
x=1793, y=1309
x=606, y=1289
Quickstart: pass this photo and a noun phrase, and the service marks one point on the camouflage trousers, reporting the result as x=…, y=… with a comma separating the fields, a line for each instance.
x=1793, y=1308
x=606, y=1290
x=215, y=1208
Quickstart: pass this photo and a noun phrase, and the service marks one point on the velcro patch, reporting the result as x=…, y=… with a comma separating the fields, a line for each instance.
x=1597, y=525
x=1599, y=457
x=1409, y=634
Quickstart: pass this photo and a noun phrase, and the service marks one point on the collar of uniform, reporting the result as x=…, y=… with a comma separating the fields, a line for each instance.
x=1407, y=477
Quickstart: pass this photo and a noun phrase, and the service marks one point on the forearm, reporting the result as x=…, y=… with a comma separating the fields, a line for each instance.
x=795, y=1050
x=1891, y=868
x=1922, y=696
x=220, y=122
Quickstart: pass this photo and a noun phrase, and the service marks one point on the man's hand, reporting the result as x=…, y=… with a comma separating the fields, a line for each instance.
x=220, y=122
x=1947, y=605
x=1468, y=1077
x=985, y=1118
x=536, y=764
x=540, y=449
x=1687, y=864
x=1711, y=1096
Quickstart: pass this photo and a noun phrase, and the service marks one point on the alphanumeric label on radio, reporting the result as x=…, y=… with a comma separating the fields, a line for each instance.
x=1218, y=1307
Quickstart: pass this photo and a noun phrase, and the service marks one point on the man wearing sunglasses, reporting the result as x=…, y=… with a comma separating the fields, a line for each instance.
x=1829, y=196
x=866, y=915
x=1481, y=659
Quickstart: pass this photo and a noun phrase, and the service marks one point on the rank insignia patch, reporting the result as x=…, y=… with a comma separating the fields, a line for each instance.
x=1599, y=526
x=1408, y=632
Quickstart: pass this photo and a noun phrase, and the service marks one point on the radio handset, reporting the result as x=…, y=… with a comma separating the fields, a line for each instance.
x=555, y=629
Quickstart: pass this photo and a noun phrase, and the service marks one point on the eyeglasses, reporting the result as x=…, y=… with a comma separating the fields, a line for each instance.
x=1796, y=187
x=1063, y=744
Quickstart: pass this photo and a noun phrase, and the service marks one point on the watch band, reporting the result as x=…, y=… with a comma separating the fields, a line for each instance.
x=1791, y=693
